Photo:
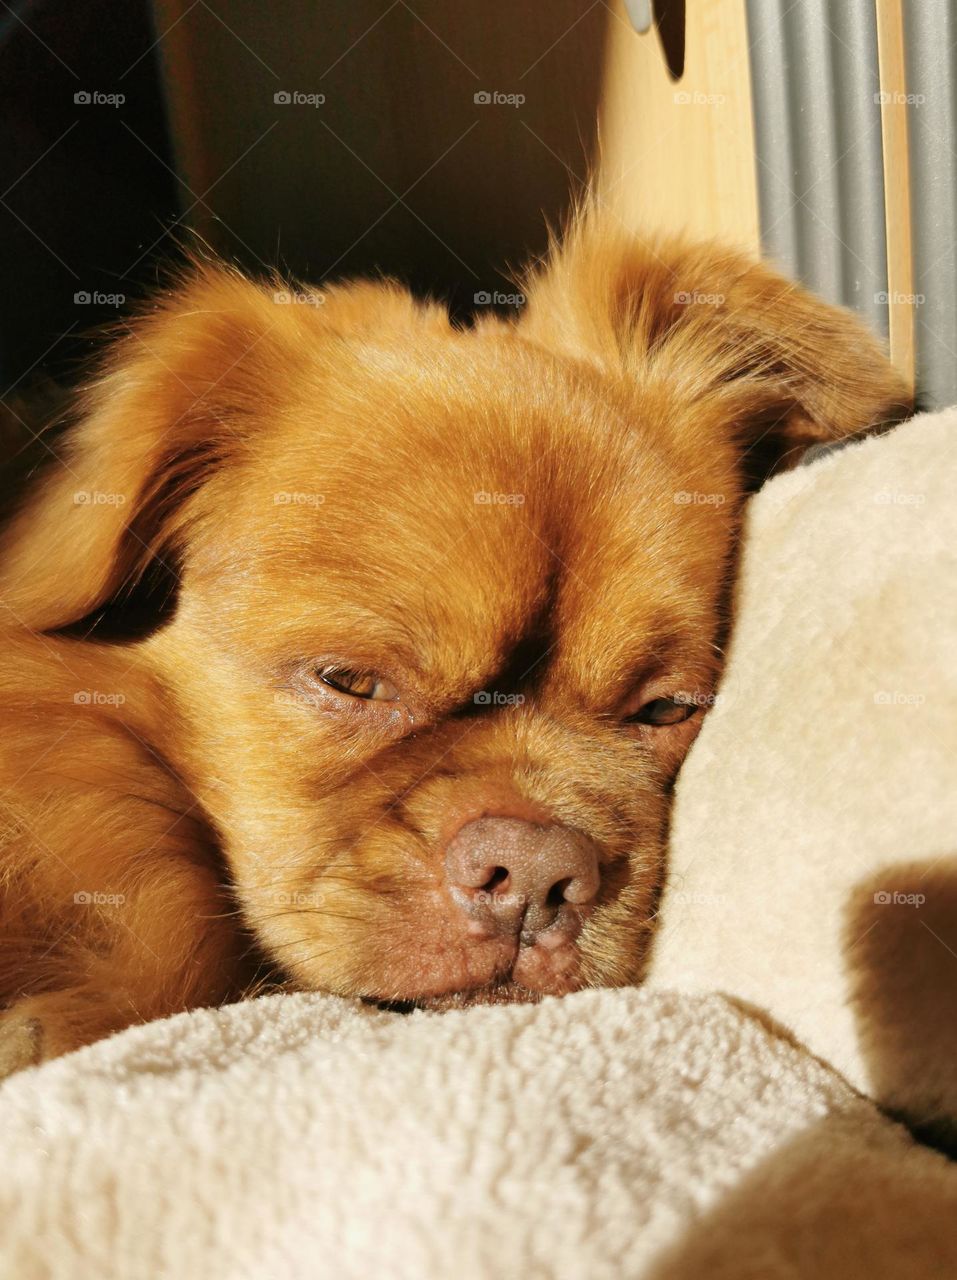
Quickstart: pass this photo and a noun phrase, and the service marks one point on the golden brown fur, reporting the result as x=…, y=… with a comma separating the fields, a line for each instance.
x=309, y=474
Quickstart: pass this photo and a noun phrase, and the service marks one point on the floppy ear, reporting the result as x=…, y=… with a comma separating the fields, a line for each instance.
x=722, y=332
x=169, y=403
x=180, y=392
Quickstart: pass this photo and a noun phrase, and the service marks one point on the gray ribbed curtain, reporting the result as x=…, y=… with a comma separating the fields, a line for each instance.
x=820, y=169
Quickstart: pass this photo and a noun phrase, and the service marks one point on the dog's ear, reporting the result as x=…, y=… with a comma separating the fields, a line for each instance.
x=170, y=401
x=185, y=388
x=726, y=336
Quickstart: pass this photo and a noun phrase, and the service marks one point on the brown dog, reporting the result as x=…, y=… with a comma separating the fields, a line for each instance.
x=448, y=605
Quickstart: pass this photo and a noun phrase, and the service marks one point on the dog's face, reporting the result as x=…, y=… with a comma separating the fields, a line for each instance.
x=450, y=603
x=453, y=586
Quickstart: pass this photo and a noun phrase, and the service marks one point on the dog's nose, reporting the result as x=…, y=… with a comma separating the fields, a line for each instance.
x=508, y=874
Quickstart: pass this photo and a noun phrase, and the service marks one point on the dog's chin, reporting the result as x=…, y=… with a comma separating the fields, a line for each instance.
x=506, y=991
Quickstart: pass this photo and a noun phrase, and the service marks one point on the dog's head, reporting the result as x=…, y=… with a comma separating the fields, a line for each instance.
x=450, y=603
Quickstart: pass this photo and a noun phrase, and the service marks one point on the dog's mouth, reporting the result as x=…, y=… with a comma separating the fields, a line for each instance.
x=524, y=977
x=504, y=991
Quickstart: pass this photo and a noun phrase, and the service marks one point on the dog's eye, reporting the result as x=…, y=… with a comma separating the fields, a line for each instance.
x=358, y=684
x=663, y=711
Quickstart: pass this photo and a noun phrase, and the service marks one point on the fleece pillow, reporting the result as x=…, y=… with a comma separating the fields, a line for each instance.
x=813, y=860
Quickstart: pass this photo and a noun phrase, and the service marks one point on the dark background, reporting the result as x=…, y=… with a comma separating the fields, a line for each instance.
x=80, y=197
x=401, y=171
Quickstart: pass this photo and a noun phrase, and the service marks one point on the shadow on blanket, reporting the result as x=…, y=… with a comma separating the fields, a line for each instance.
x=792, y=1213
x=901, y=946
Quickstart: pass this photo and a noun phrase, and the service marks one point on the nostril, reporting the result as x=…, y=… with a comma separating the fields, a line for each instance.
x=556, y=894
x=496, y=880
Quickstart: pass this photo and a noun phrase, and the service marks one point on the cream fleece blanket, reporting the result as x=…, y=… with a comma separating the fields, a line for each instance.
x=614, y=1133
x=813, y=859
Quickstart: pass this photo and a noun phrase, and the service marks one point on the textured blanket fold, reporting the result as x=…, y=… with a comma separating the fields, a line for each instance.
x=813, y=857
x=612, y=1134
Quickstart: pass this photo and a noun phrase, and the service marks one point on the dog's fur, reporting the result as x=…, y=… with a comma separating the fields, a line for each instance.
x=543, y=512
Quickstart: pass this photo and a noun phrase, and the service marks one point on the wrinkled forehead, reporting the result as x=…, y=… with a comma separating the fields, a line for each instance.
x=469, y=510
x=354, y=537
